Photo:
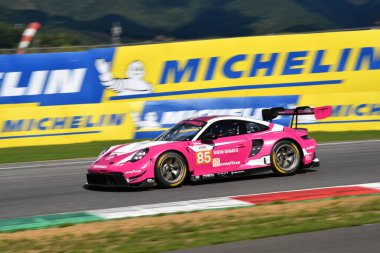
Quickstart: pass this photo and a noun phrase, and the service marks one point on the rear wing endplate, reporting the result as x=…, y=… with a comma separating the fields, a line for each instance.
x=319, y=113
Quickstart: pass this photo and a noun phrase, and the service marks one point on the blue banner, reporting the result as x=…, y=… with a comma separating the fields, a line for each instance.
x=53, y=78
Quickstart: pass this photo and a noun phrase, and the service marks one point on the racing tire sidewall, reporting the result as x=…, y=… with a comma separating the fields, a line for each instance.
x=276, y=168
x=161, y=181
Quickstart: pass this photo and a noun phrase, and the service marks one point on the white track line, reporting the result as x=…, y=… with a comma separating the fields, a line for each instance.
x=372, y=185
x=41, y=165
x=171, y=207
x=347, y=142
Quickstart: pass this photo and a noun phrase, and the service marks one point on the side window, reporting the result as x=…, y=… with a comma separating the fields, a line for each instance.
x=225, y=128
x=253, y=127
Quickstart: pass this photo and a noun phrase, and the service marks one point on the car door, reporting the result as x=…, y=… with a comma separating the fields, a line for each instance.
x=225, y=153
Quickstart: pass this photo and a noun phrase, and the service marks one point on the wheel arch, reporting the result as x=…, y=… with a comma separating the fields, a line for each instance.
x=174, y=151
x=292, y=140
x=283, y=172
x=187, y=171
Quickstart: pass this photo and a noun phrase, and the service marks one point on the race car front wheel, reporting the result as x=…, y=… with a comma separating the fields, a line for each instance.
x=170, y=170
x=286, y=158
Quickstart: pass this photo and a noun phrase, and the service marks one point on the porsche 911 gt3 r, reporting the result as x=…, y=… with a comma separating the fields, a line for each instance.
x=207, y=147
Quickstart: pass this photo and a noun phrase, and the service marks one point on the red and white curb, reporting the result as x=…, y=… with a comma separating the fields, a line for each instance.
x=171, y=207
x=53, y=220
x=237, y=201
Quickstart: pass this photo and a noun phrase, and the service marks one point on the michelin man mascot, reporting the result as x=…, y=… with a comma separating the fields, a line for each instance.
x=132, y=85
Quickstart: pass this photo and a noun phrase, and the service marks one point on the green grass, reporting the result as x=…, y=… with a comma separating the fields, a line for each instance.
x=210, y=230
x=92, y=149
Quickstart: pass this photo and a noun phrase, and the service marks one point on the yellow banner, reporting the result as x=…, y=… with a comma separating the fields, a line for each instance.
x=36, y=125
x=337, y=62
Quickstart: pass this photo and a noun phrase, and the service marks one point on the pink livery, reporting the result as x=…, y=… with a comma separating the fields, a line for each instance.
x=210, y=147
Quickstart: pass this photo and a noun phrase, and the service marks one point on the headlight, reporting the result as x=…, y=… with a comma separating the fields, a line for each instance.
x=139, y=154
x=103, y=151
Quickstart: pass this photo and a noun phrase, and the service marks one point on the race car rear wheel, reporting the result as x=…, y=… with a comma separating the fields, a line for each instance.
x=286, y=158
x=170, y=170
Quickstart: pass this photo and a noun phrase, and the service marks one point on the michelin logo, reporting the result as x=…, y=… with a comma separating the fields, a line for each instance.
x=59, y=123
x=347, y=110
x=133, y=84
x=58, y=81
x=151, y=119
x=172, y=117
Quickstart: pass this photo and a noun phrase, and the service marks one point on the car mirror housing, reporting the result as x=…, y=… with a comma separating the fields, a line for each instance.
x=209, y=137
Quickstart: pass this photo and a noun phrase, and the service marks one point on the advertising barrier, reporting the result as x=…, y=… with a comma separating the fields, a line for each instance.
x=139, y=91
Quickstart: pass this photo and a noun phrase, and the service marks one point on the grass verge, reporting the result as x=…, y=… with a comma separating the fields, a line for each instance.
x=181, y=231
x=92, y=149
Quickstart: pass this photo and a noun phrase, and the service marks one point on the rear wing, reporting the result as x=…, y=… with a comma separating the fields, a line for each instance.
x=319, y=113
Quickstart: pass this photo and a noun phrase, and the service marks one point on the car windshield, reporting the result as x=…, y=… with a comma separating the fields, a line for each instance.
x=183, y=131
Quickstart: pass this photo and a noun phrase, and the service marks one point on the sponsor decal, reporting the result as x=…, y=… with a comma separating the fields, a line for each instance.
x=259, y=162
x=237, y=172
x=226, y=151
x=195, y=123
x=203, y=157
x=150, y=180
x=132, y=171
x=203, y=147
x=216, y=163
x=307, y=158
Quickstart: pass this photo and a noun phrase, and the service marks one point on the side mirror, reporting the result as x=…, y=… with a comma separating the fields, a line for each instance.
x=209, y=137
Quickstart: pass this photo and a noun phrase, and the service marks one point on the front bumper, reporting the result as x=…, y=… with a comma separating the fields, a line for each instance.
x=115, y=179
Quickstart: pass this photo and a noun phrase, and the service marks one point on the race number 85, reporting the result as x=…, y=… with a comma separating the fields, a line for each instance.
x=203, y=157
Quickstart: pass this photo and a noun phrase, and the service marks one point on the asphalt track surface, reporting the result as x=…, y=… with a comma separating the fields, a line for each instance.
x=347, y=240
x=30, y=189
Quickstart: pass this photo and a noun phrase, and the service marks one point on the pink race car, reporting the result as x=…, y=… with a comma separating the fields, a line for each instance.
x=209, y=147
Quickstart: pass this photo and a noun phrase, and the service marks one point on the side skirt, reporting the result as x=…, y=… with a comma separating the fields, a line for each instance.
x=232, y=174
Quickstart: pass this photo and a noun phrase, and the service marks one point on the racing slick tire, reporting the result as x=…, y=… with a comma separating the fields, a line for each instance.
x=285, y=158
x=170, y=170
